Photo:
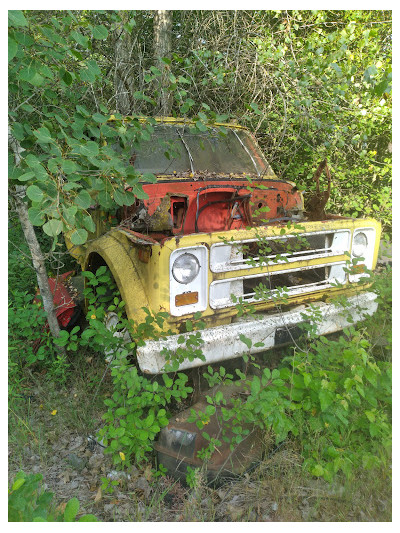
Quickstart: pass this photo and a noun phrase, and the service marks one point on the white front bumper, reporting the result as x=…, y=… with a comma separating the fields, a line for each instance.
x=223, y=342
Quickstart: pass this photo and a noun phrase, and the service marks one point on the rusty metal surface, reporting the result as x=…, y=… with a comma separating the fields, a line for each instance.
x=224, y=461
x=315, y=205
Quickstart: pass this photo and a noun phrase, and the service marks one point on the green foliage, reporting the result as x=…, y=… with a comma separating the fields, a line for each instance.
x=68, y=160
x=28, y=502
x=137, y=412
x=334, y=398
x=29, y=340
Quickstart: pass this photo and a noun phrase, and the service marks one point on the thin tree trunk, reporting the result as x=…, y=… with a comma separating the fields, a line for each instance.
x=162, y=48
x=34, y=246
x=123, y=77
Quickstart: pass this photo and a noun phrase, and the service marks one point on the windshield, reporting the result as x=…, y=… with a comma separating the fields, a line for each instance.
x=175, y=148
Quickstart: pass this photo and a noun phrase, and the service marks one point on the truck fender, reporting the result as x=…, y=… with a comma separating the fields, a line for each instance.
x=114, y=248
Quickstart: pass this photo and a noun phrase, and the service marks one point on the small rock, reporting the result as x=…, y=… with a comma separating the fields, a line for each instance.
x=274, y=506
x=76, y=443
x=109, y=507
x=235, y=512
x=96, y=461
x=143, y=485
x=76, y=462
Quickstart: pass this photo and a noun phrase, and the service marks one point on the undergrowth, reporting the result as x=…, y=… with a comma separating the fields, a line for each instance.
x=329, y=396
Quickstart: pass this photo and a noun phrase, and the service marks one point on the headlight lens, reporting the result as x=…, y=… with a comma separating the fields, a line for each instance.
x=360, y=243
x=185, y=268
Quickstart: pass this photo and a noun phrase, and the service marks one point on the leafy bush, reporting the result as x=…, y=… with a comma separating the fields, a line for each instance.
x=29, y=340
x=136, y=411
x=28, y=502
x=333, y=397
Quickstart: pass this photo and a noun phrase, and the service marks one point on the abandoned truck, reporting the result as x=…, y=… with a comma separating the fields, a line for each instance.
x=217, y=225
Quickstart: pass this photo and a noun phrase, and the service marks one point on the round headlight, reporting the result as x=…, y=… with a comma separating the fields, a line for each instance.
x=185, y=268
x=360, y=243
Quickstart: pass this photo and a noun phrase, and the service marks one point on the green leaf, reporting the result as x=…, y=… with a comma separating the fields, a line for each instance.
x=36, y=216
x=200, y=126
x=325, y=398
x=98, y=117
x=89, y=224
x=12, y=49
x=18, y=483
x=88, y=518
x=82, y=110
x=100, y=32
x=68, y=166
x=53, y=227
x=27, y=176
x=119, y=197
x=79, y=38
x=255, y=386
x=318, y=470
x=246, y=341
x=71, y=510
x=31, y=75
x=16, y=18
x=34, y=193
x=90, y=149
x=382, y=87
x=254, y=107
x=138, y=191
x=79, y=236
x=83, y=199
x=43, y=135
x=105, y=199
x=69, y=214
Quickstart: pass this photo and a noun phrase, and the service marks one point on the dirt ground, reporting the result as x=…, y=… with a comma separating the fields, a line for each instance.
x=276, y=491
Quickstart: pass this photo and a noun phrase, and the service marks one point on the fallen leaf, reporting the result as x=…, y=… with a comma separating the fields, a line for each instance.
x=61, y=507
x=98, y=496
x=65, y=477
x=122, y=455
x=54, y=412
x=148, y=474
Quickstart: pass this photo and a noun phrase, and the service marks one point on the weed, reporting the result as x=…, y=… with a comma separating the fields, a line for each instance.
x=28, y=502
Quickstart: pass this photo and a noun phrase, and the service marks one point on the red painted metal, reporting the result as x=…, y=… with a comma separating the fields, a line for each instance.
x=217, y=205
x=63, y=302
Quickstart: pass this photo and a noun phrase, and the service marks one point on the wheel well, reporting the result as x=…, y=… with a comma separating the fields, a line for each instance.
x=94, y=262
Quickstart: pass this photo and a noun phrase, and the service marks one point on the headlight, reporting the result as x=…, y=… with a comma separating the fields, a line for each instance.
x=360, y=244
x=185, y=268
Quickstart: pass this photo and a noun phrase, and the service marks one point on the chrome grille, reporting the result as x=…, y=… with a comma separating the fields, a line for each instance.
x=253, y=253
x=286, y=251
x=278, y=284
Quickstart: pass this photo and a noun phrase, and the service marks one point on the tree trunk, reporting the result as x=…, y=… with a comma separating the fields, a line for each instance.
x=123, y=77
x=162, y=48
x=34, y=246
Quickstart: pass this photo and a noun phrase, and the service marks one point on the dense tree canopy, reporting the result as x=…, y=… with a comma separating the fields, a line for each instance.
x=312, y=84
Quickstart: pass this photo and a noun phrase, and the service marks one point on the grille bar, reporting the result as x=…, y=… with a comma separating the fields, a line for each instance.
x=274, y=285
x=253, y=253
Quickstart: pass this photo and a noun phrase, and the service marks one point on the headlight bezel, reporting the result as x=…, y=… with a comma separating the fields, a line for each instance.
x=199, y=283
x=366, y=256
